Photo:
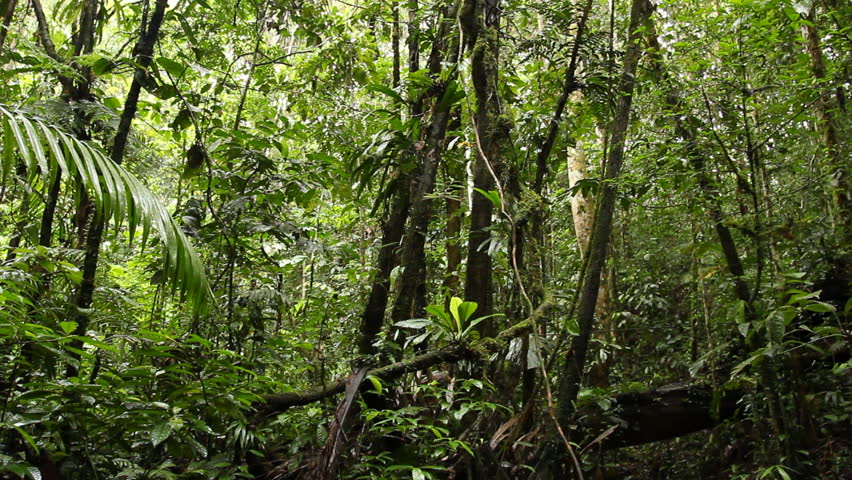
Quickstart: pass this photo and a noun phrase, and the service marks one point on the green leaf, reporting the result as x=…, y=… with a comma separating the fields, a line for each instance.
x=820, y=307
x=455, y=302
x=439, y=312
x=160, y=433
x=474, y=323
x=68, y=327
x=102, y=66
x=466, y=310
x=738, y=311
x=417, y=474
x=775, y=324
x=117, y=193
x=493, y=196
x=28, y=438
x=791, y=14
x=758, y=354
x=174, y=68
x=377, y=384
x=414, y=323
x=453, y=94
x=572, y=327
x=374, y=87
x=743, y=329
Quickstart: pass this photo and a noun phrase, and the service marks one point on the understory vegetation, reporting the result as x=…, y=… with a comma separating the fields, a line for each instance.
x=426, y=239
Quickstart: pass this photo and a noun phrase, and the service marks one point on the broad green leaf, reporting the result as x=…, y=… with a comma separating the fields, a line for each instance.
x=174, y=68
x=414, y=323
x=820, y=307
x=68, y=327
x=466, y=310
x=160, y=433
x=493, y=196
x=438, y=312
x=454, y=309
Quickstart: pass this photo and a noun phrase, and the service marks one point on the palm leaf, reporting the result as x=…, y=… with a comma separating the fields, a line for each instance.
x=118, y=194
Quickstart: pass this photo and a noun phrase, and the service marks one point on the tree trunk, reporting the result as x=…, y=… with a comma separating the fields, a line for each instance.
x=83, y=302
x=481, y=20
x=411, y=299
x=549, y=465
x=7, y=11
x=599, y=244
x=582, y=211
x=838, y=163
x=392, y=228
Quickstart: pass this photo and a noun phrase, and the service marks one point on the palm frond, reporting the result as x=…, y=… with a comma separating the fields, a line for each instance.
x=118, y=194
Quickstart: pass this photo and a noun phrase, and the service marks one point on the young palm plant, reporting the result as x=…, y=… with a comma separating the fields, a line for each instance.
x=47, y=151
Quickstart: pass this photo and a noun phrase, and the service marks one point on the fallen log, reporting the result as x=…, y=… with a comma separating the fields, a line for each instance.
x=661, y=414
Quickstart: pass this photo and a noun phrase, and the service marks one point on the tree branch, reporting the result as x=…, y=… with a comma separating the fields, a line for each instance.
x=279, y=402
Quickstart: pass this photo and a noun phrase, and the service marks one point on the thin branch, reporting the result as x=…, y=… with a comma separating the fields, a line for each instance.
x=44, y=32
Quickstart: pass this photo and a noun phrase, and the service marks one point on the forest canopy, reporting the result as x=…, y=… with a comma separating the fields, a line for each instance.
x=427, y=239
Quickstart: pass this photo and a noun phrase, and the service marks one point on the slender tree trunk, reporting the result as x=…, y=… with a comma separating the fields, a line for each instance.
x=453, y=206
x=550, y=465
x=392, y=230
x=414, y=50
x=481, y=20
x=599, y=244
x=582, y=210
x=454, y=251
x=411, y=200
x=7, y=12
x=838, y=163
x=83, y=302
x=395, y=43
x=411, y=299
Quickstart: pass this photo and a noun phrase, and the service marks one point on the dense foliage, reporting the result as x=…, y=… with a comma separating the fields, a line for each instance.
x=425, y=239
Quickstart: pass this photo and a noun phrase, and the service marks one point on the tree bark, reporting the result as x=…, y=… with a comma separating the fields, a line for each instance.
x=83, y=302
x=411, y=299
x=7, y=12
x=599, y=244
x=481, y=21
x=373, y=317
x=838, y=163
x=582, y=211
